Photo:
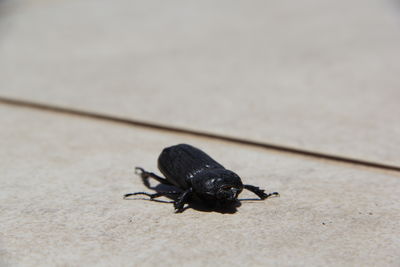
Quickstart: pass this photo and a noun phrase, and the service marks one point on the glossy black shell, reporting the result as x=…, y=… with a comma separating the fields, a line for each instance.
x=181, y=163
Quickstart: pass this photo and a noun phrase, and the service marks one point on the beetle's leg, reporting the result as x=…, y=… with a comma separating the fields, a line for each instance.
x=259, y=192
x=145, y=177
x=155, y=195
x=182, y=200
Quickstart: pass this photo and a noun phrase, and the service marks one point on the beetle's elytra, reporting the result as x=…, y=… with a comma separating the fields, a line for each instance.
x=196, y=175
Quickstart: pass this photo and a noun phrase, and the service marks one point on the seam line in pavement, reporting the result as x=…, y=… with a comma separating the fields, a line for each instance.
x=155, y=126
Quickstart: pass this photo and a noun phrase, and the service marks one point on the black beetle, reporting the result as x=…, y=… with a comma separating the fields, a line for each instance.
x=196, y=175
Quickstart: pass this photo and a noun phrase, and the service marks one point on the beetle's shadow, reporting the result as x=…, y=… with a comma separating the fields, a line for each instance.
x=196, y=205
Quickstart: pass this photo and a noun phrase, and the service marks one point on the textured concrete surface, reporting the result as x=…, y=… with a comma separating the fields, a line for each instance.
x=63, y=178
x=317, y=75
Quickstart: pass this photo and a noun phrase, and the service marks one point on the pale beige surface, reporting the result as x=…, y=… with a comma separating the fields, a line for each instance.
x=317, y=75
x=62, y=181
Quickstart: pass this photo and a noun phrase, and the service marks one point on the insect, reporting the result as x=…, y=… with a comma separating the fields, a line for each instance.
x=196, y=175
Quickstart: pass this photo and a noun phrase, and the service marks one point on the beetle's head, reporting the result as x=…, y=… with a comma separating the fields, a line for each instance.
x=218, y=186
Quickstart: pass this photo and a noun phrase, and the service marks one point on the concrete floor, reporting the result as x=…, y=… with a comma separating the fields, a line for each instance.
x=315, y=75
x=61, y=204
x=319, y=76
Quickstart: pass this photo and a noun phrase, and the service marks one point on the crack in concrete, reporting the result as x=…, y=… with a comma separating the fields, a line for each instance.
x=155, y=126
